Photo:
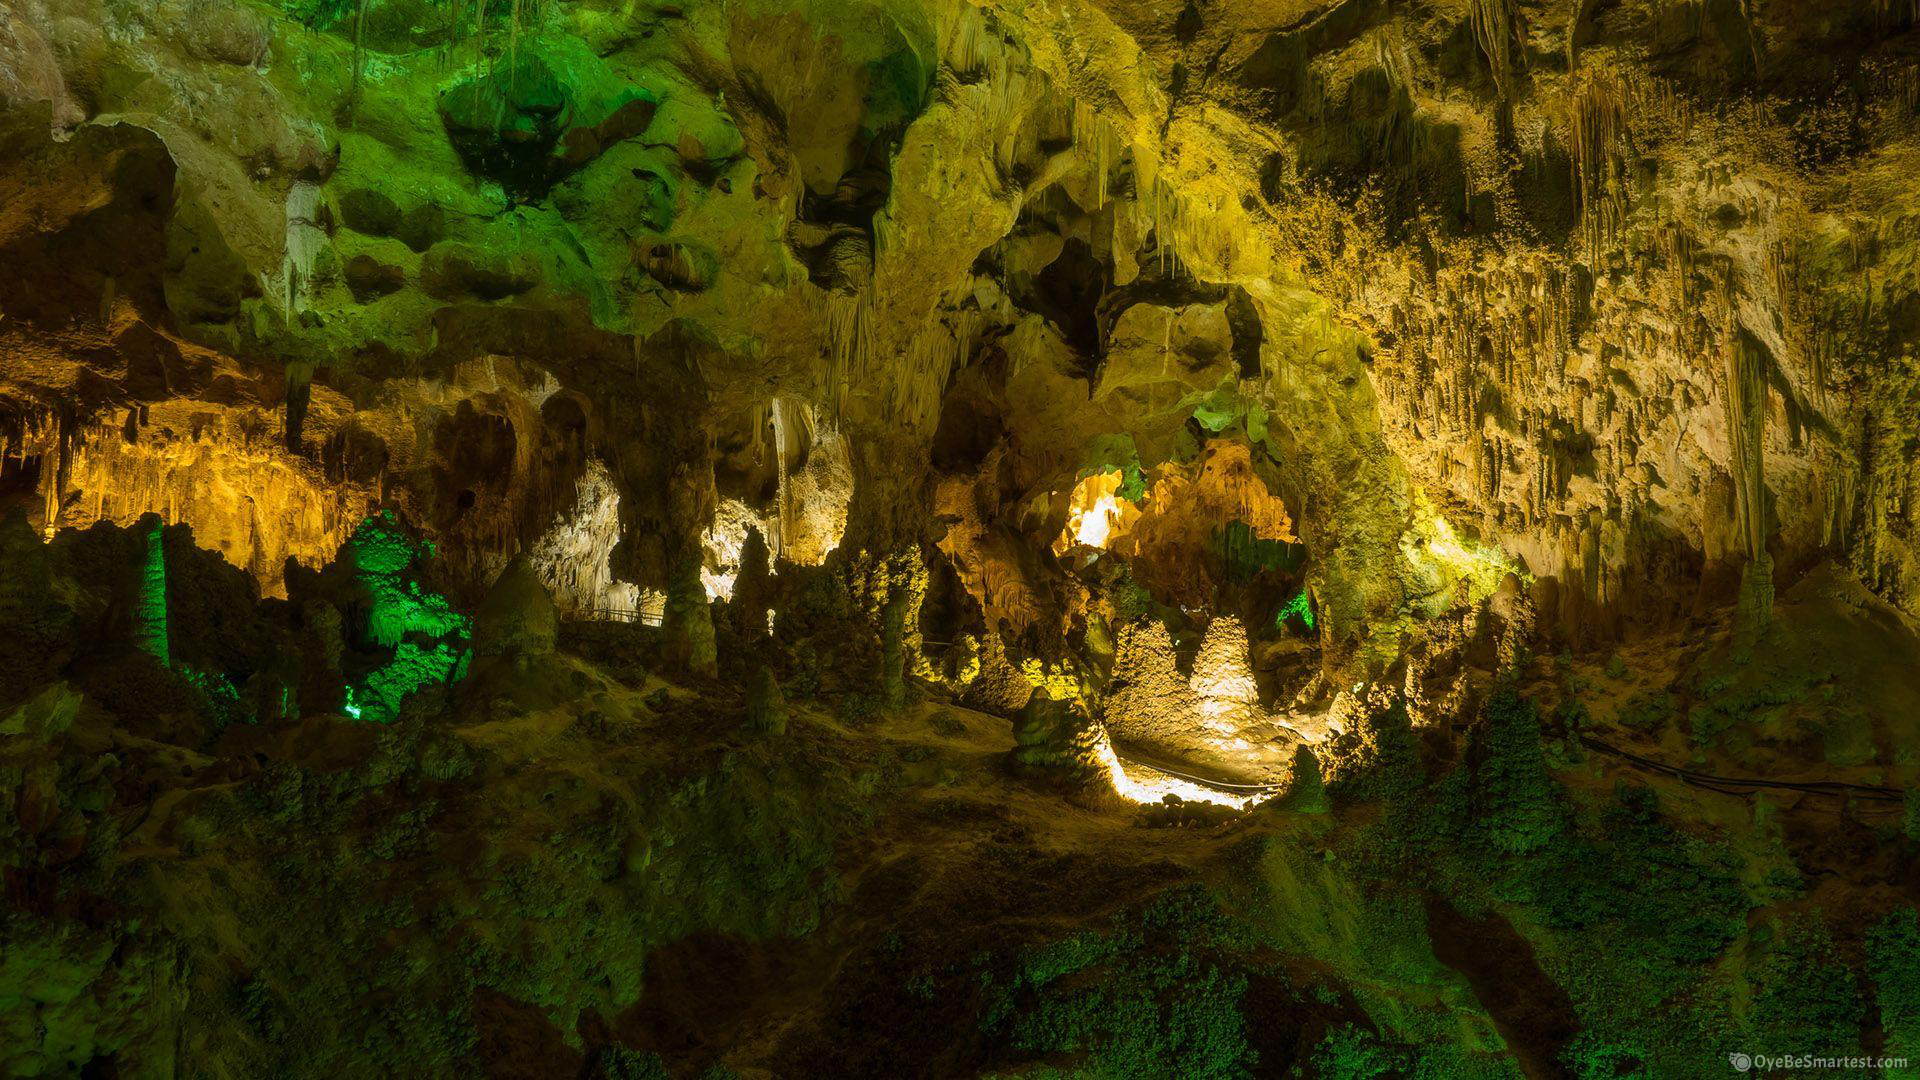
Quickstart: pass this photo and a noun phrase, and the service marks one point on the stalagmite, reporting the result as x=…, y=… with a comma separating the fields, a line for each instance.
x=150, y=596
x=1222, y=678
x=689, y=622
x=1055, y=735
x=690, y=506
x=1306, y=791
x=753, y=593
x=517, y=620
x=766, y=706
x=893, y=649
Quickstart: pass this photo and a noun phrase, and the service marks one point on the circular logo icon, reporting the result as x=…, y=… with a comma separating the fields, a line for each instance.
x=1740, y=1062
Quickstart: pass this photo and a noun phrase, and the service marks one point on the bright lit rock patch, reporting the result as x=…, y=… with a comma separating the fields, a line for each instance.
x=1096, y=515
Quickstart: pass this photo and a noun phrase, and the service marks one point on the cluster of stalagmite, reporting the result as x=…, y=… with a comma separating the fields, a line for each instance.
x=1210, y=714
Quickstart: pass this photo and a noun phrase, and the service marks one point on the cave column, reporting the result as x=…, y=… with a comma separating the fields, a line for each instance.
x=1746, y=425
x=689, y=619
x=893, y=647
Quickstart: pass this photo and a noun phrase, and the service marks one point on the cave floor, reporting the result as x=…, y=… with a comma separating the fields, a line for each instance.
x=549, y=869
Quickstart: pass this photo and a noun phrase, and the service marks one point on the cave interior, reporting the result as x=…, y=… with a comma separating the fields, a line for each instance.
x=616, y=539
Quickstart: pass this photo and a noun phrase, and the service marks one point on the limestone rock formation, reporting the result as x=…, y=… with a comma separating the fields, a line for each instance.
x=1211, y=717
x=1306, y=791
x=518, y=618
x=1561, y=312
x=1055, y=735
x=766, y=706
x=427, y=427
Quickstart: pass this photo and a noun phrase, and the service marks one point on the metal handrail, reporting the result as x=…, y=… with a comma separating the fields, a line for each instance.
x=1833, y=788
x=642, y=617
x=1229, y=786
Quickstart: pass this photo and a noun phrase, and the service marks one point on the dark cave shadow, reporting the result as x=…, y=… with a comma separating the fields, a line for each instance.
x=1531, y=1011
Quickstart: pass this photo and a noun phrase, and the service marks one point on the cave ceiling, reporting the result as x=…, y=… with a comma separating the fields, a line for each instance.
x=1491, y=267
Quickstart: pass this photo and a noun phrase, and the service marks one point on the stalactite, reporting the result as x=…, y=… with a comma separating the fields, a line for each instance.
x=1497, y=30
x=963, y=44
x=1746, y=418
x=783, y=488
x=53, y=438
x=233, y=482
x=299, y=376
x=1598, y=126
x=1681, y=253
x=1786, y=262
x=932, y=358
x=304, y=240
x=850, y=345
x=1095, y=138
x=1838, y=496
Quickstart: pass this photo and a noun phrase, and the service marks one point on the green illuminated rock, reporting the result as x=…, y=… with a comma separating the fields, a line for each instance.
x=524, y=124
x=150, y=604
x=411, y=637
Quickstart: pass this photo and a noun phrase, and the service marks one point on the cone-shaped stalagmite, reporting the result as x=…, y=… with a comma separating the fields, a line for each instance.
x=752, y=588
x=1222, y=677
x=518, y=617
x=766, y=706
x=1306, y=790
